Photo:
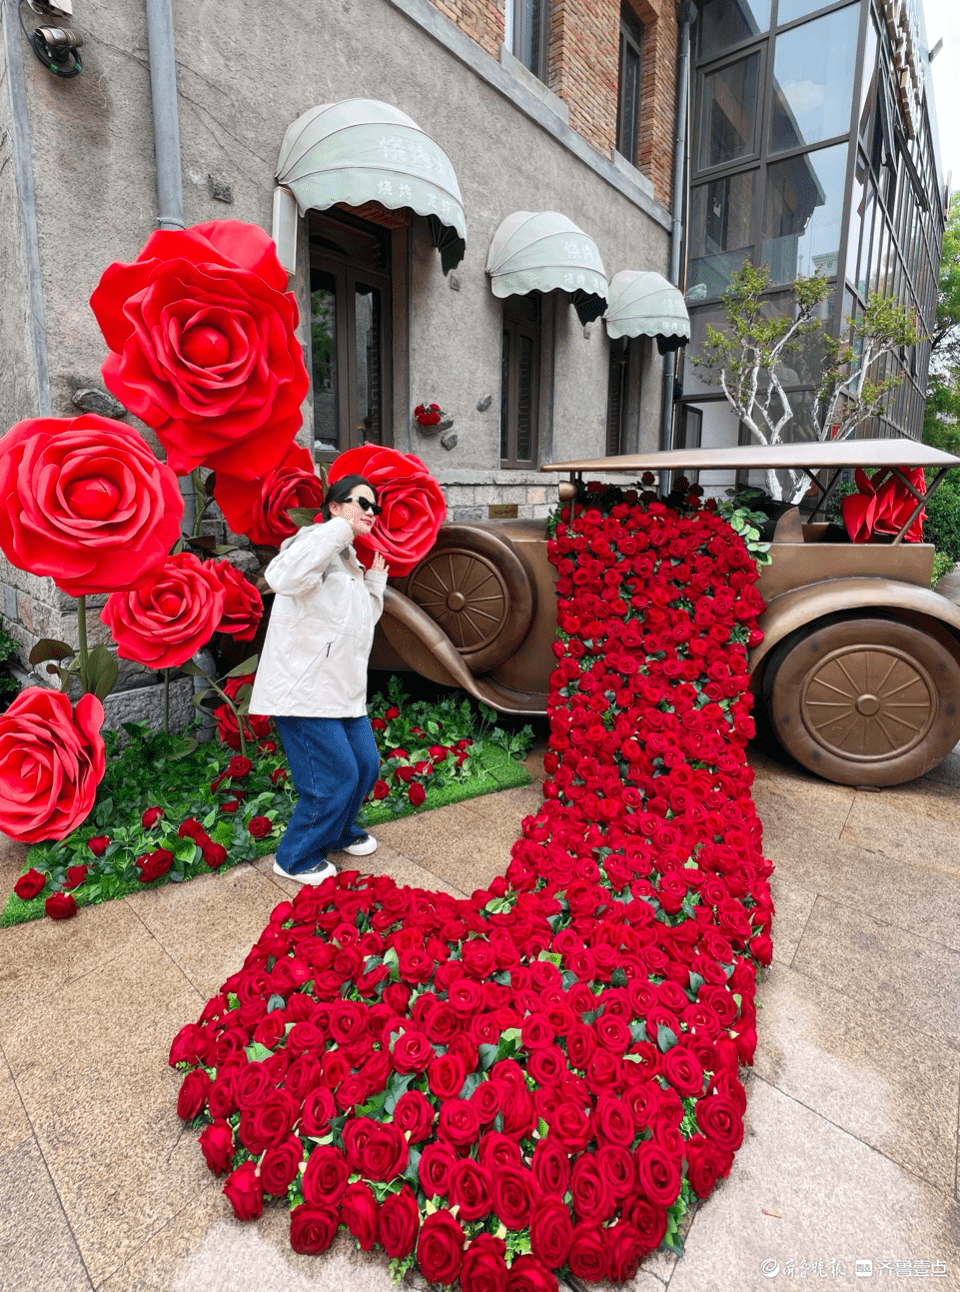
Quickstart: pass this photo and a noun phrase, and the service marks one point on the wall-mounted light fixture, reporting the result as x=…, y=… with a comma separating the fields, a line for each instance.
x=57, y=48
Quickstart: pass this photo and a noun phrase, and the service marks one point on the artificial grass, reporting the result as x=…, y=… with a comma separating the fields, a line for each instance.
x=491, y=769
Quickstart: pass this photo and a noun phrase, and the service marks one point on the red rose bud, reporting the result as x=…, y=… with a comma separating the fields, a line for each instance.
x=29, y=885
x=416, y=794
x=378, y=724
x=60, y=906
x=76, y=875
x=238, y=794
x=190, y=829
x=238, y=767
x=99, y=844
x=230, y=807
x=268, y=746
x=217, y=1145
x=260, y=827
x=215, y=784
x=214, y=854
x=381, y=789
x=278, y=776
x=391, y=713
x=245, y=1191
x=151, y=817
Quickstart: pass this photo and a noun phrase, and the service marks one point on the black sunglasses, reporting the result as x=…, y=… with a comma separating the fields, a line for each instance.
x=366, y=505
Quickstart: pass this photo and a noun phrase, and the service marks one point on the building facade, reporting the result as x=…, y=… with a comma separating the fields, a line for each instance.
x=533, y=107
x=813, y=148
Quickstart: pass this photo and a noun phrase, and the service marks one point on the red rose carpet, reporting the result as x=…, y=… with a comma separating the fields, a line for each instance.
x=535, y=1080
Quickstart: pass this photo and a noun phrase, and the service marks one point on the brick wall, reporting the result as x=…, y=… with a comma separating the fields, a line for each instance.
x=583, y=70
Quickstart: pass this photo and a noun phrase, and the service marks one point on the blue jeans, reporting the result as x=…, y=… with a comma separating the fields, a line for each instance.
x=334, y=763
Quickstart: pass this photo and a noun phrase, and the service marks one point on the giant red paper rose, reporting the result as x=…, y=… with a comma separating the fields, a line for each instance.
x=203, y=347
x=167, y=619
x=413, y=505
x=550, y=1066
x=884, y=510
x=258, y=508
x=51, y=762
x=86, y=502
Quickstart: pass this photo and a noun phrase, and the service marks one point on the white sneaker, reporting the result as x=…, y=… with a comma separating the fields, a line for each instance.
x=325, y=870
x=362, y=848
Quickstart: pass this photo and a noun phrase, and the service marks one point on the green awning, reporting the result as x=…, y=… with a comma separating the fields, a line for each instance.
x=361, y=150
x=543, y=251
x=644, y=303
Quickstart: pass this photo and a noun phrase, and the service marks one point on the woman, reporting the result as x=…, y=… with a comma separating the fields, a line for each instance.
x=312, y=679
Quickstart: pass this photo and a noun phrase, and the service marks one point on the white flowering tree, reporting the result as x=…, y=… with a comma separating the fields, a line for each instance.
x=748, y=361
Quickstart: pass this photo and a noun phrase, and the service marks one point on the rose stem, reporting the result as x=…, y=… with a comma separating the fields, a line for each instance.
x=166, y=700
x=82, y=635
x=198, y=508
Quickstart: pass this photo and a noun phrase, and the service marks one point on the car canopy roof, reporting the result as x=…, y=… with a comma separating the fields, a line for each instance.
x=811, y=455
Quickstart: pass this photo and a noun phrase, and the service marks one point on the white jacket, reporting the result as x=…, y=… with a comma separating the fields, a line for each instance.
x=314, y=659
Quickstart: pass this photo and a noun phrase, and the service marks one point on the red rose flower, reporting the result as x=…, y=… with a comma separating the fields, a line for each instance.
x=589, y=1257
x=440, y=1247
x=325, y=1177
x=217, y=1144
x=413, y=1115
x=99, y=844
x=169, y=617
x=412, y=501
x=312, y=1227
x=358, y=1211
x=260, y=826
x=75, y=876
x=151, y=817
x=258, y=507
x=416, y=794
x=193, y=1094
x=60, y=906
x=201, y=331
x=51, y=761
x=254, y=727
x=483, y=1268
x=244, y=1189
x=471, y=1189
x=214, y=854
x=30, y=884
x=399, y=1223
x=551, y=1232
x=86, y=502
x=242, y=606
x=152, y=865
x=528, y=1275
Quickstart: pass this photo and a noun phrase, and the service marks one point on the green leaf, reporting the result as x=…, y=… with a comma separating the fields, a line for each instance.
x=248, y=666
x=276, y=1001
x=666, y=1037
x=618, y=978
x=102, y=671
x=488, y=1056
x=471, y=1083
x=49, y=648
x=301, y=516
x=412, y=1172
x=186, y=851
x=638, y=1031
x=256, y=1053
x=398, y=1085
x=553, y=958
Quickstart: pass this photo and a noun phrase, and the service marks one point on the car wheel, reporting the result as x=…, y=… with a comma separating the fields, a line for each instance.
x=475, y=586
x=864, y=701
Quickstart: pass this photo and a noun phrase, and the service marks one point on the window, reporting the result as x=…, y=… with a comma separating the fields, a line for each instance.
x=725, y=25
x=803, y=201
x=617, y=397
x=520, y=379
x=628, y=90
x=813, y=80
x=728, y=112
x=721, y=236
x=528, y=33
x=350, y=313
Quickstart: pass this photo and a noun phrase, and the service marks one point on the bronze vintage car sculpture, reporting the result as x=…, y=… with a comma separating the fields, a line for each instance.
x=859, y=668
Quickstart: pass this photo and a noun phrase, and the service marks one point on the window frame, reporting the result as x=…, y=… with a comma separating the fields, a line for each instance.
x=632, y=34
x=514, y=327
x=347, y=272
x=520, y=50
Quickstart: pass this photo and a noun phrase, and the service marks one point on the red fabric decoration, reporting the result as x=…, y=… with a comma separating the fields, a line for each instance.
x=413, y=504
x=201, y=331
x=884, y=511
x=86, y=502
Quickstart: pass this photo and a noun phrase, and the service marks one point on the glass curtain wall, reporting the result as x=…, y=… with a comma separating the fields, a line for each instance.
x=800, y=160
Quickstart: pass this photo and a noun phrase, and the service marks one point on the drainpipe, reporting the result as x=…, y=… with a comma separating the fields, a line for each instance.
x=686, y=16
x=161, y=57
x=162, y=60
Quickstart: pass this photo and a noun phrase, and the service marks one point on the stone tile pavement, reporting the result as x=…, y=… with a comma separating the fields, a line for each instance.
x=851, y=1146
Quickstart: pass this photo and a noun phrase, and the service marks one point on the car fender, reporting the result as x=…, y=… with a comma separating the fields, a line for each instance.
x=801, y=606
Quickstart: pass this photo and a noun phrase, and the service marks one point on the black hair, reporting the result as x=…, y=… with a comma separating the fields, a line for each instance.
x=341, y=490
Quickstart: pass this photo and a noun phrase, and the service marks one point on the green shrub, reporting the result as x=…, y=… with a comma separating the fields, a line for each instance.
x=8, y=683
x=942, y=523
x=943, y=563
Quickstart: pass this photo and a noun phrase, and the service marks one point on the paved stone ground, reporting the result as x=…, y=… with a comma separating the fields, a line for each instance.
x=851, y=1146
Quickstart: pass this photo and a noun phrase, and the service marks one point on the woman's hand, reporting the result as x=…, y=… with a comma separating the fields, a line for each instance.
x=378, y=562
